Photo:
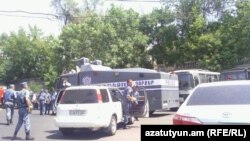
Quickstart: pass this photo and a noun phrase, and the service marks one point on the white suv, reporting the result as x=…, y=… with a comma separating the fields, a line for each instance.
x=92, y=107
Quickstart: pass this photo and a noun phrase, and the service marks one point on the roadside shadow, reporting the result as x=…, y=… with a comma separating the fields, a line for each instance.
x=79, y=134
x=3, y=124
x=133, y=126
x=130, y=126
x=9, y=138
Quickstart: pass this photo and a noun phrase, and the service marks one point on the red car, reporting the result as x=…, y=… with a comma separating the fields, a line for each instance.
x=1, y=95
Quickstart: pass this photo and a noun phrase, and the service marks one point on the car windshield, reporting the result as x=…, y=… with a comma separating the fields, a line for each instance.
x=220, y=95
x=79, y=96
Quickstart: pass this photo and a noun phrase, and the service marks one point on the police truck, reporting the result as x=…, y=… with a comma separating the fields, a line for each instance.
x=161, y=87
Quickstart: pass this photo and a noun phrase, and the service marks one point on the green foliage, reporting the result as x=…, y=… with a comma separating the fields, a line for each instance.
x=28, y=54
x=235, y=36
x=69, y=11
x=162, y=34
x=114, y=38
x=35, y=86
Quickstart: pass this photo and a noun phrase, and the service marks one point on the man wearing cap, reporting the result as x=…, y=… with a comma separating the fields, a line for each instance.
x=9, y=99
x=126, y=102
x=24, y=108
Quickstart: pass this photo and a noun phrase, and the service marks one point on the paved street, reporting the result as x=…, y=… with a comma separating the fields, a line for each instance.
x=44, y=129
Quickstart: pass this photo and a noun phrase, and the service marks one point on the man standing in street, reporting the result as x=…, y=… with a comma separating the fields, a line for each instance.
x=135, y=98
x=53, y=102
x=47, y=102
x=41, y=98
x=126, y=102
x=9, y=99
x=24, y=108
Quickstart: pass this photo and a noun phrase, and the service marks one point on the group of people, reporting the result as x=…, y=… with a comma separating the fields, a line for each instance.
x=24, y=105
x=25, y=101
x=47, y=102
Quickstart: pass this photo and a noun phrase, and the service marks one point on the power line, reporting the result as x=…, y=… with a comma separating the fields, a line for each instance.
x=48, y=14
x=21, y=16
x=26, y=12
x=57, y=16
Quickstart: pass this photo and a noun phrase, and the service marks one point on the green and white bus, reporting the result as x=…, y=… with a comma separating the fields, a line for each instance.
x=190, y=78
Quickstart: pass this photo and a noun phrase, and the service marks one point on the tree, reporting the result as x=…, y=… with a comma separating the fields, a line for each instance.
x=235, y=37
x=209, y=9
x=90, y=5
x=71, y=11
x=28, y=54
x=113, y=38
x=162, y=32
x=125, y=44
x=66, y=10
x=3, y=57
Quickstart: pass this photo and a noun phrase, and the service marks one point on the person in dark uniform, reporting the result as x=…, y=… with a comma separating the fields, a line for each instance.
x=24, y=108
x=126, y=102
x=41, y=98
x=135, y=98
x=47, y=102
x=9, y=99
x=53, y=102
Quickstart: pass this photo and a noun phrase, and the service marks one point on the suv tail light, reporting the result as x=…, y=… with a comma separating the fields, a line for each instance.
x=185, y=120
x=99, y=96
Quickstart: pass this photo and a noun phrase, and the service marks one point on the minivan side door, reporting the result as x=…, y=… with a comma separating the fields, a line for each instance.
x=58, y=98
x=141, y=109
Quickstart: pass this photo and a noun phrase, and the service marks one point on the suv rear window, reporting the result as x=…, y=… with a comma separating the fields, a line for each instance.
x=79, y=96
x=221, y=95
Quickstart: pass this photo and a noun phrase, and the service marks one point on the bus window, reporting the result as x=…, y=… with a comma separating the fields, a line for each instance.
x=216, y=78
x=209, y=78
x=202, y=78
x=185, y=81
x=212, y=78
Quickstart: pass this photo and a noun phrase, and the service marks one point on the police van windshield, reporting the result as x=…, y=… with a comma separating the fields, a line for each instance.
x=186, y=81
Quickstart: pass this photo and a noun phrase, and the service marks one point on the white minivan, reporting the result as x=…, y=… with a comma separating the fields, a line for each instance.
x=92, y=107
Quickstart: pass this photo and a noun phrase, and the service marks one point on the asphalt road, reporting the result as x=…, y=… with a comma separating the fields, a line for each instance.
x=43, y=129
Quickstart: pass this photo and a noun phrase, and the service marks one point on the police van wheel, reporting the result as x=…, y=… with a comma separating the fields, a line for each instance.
x=66, y=131
x=111, y=129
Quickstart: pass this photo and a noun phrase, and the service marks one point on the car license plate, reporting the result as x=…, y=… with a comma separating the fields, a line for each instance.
x=77, y=112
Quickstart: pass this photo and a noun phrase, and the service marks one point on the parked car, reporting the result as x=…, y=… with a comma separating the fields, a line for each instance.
x=2, y=89
x=225, y=102
x=92, y=107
